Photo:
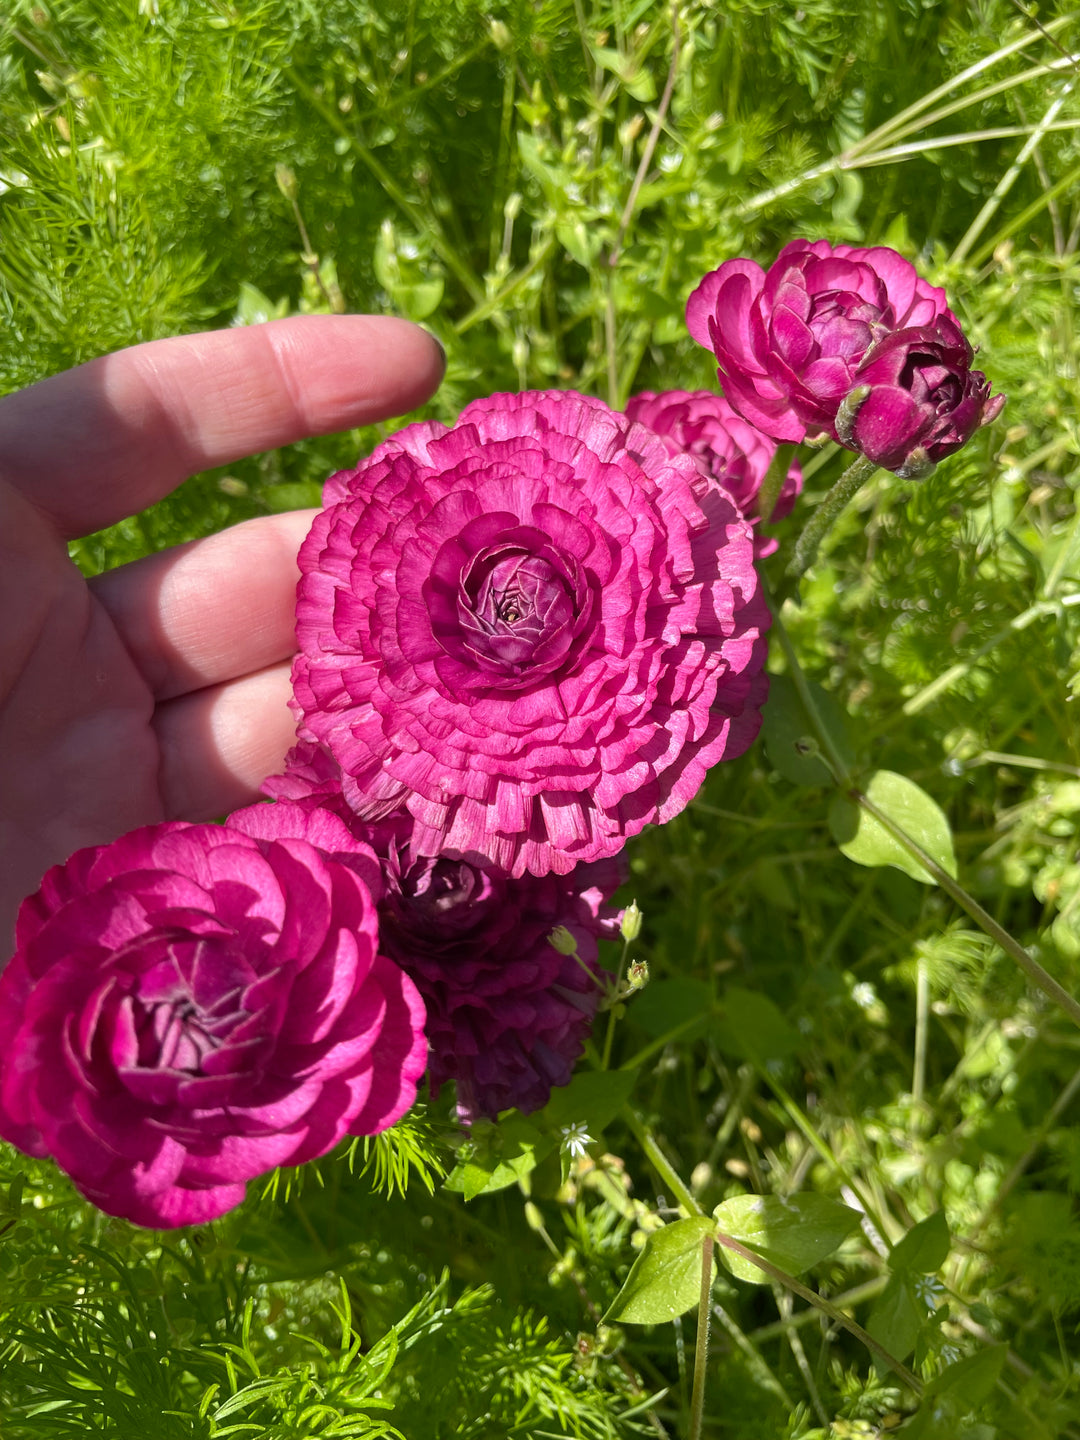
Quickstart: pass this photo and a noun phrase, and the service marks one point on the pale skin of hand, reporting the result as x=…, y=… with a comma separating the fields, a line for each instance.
x=159, y=691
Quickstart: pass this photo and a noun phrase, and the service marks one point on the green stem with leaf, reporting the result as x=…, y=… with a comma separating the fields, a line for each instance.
x=1039, y=977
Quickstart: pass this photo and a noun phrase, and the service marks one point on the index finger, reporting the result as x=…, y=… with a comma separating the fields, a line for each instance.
x=105, y=440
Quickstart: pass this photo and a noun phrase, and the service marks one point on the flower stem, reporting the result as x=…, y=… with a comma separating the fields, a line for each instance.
x=1039, y=977
x=911, y=1380
x=663, y=1167
x=824, y=517
x=660, y=1163
x=701, y=1349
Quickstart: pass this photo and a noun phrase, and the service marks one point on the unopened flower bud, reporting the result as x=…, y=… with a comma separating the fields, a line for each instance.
x=500, y=35
x=562, y=940
x=919, y=399
x=286, y=181
x=630, y=924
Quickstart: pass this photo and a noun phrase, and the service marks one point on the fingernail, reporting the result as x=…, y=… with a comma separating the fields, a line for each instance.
x=441, y=348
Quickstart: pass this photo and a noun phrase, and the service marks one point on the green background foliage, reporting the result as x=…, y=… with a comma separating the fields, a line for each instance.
x=812, y=1026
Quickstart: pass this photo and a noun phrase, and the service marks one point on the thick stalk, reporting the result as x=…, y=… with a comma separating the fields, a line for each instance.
x=825, y=516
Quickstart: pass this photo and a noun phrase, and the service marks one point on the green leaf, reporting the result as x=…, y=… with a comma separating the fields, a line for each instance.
x=897, y=1318
x=592, y=1099
x=972, y=1379
x=865, y=840
x=750, y=1025
x=791, y=741
x=793, y=1231
x=255, y=308
x=773, y=482
x=925, y=1248
x=582, y=241
x=959, y=1388
x=665, y=1280
x=501, y=1157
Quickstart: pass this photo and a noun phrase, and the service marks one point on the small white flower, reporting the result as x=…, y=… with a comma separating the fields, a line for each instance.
x=928, y=1289
x=863, y=994
x=576, y=1139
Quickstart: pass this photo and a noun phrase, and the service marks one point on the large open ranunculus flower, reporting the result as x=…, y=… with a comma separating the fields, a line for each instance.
x=534, y=630
x=194, y=1005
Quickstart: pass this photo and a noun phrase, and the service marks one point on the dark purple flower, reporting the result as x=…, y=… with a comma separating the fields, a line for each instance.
x=727, y=448
x=507, y=1014
x=194, y=1005
x=916, y=399
x=789, y=340
x=534, y=631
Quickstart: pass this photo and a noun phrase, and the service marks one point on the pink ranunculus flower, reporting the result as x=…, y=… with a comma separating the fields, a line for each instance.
x=728, y=448
x=535, y=631
x=788, y=340
x=916, y=399
x=194, y=1005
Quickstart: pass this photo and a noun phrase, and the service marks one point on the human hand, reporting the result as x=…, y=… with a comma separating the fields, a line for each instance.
x=159, y=690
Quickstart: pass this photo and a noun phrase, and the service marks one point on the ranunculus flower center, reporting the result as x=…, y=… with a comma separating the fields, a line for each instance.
x=184, y=1007
x=507, y=601
x=511, y=599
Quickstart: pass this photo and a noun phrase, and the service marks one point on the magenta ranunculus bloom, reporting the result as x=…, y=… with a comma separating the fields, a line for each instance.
x=788, y=340
x=193, y=1005
x=535, y=631
x=728, y=448
x=916, y=399
x=507, y=1014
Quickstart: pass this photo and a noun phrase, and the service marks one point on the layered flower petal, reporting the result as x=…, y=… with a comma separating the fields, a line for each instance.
x=789, y=340
x=495, y=617
x=727, y=448
x=196, y=1004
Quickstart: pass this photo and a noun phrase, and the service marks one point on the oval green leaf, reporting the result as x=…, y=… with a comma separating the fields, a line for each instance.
x=865, y=840
x=925, y=1248
x=897, y=1318
x=665, y=1280
x=793, y=1232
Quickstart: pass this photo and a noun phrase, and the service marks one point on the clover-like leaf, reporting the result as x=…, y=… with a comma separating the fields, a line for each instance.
x=665, y=1280
x=924, y=1248
x=863, y=838
x=897, y=1317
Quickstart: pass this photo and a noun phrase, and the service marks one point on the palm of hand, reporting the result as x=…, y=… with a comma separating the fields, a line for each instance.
x=79, y=759
x=158, y=690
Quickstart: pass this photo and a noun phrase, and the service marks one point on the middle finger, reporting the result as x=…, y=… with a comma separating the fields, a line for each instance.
x=212, y=610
